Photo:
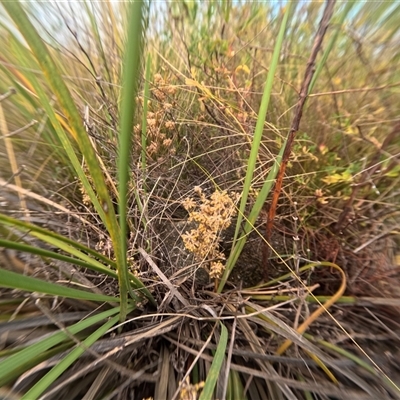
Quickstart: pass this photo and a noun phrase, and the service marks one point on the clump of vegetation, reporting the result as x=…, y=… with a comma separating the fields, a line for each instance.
x=272, y=130
x=213, y=216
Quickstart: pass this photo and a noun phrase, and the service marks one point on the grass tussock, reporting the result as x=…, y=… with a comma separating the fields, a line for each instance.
x=199, y=200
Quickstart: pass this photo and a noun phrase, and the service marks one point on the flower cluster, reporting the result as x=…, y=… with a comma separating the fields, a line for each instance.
x=162, y=88
x=190, y=391
x=160, y=122
x=212, y=216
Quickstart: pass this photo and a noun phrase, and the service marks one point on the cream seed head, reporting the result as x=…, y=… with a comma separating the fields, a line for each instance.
x=212, y=216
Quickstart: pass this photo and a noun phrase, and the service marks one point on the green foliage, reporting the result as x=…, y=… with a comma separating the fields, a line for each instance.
x=216, y=366
x=14, y=365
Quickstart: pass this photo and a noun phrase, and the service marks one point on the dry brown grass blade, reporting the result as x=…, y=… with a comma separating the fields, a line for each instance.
x=117, y=346
x=257, y=347
x=97, y=383
x=12, y=159
x=325, y=388
x=271, y=323
x=196, y=359
x=323, y=308
x=166, y=281
x=27, y=193
x=161, y=389
x=310, y=70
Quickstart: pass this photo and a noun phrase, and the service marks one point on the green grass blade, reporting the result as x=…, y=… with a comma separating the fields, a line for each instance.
x=62, y=137
x=250, y=221
x=64, y=98
x=237, y=386
x=131, y=73
x=261, y=121
x=83, y=261
x=89, y=8
x=9, y=279
x=56, y=371
x=36, y=231
x=238, y=244
x=13, y=363
x=97, y=266
x=63, y=95
x=216, y=366
x=30, y=363
x=71, y=247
